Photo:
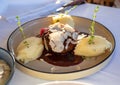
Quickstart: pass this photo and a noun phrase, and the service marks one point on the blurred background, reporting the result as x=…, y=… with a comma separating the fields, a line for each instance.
x=20, y=6
x=41, y=7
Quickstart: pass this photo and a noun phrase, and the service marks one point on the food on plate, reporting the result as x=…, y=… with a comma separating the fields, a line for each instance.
x=4, y=72
x=59, y=41
x=64, y=19
x=60, y=38
x=30, y=53
x=61, y=44
x=83, y=48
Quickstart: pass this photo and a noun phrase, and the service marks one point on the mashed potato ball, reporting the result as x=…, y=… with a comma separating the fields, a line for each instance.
x=32, y=52
x=83, y=48
x=64, y=19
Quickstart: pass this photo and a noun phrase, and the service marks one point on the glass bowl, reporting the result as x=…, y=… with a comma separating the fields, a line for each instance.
x=48, y=71
x=9, y=59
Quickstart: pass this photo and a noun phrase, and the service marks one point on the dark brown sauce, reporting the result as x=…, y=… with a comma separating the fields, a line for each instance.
x=61, y=59
x=67, y=59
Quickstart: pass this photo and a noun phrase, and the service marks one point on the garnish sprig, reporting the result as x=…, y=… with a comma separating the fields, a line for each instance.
x=20, y=27
x=67, y=11
x=91, y=29
x=21, y=30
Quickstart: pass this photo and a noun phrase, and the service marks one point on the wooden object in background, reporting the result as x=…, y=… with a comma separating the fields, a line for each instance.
x=117, y=3
x=102, y=2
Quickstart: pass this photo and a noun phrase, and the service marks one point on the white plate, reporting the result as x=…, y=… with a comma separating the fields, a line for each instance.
x=65, y=83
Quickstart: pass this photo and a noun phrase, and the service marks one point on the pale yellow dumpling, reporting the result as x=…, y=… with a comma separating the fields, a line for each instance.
x=64, y=19
x=83, y=48
x=32, y=52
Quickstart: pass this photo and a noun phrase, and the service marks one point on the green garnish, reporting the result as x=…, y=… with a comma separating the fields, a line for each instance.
x=91, y=29
x=20, y=27
x=21, y=30
x=66, y=12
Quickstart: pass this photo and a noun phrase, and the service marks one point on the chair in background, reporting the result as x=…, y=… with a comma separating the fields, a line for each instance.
x=102, y=2
x=117, y=3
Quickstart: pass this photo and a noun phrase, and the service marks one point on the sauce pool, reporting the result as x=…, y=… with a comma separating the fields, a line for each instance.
x=67, y=59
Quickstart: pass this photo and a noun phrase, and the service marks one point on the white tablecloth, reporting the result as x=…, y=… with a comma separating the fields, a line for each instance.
x=110, y=17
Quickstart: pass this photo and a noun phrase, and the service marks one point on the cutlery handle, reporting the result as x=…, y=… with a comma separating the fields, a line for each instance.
x=75, y=2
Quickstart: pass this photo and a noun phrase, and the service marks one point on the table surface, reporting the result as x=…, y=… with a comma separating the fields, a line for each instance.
x=109, y=17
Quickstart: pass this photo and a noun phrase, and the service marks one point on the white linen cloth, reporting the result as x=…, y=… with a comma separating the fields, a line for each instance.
x=109, y=17
x=28, y=11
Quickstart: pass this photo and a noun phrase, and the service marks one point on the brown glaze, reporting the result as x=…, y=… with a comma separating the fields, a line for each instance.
x=61, y=59
x=70, y=46
x=58, y=59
